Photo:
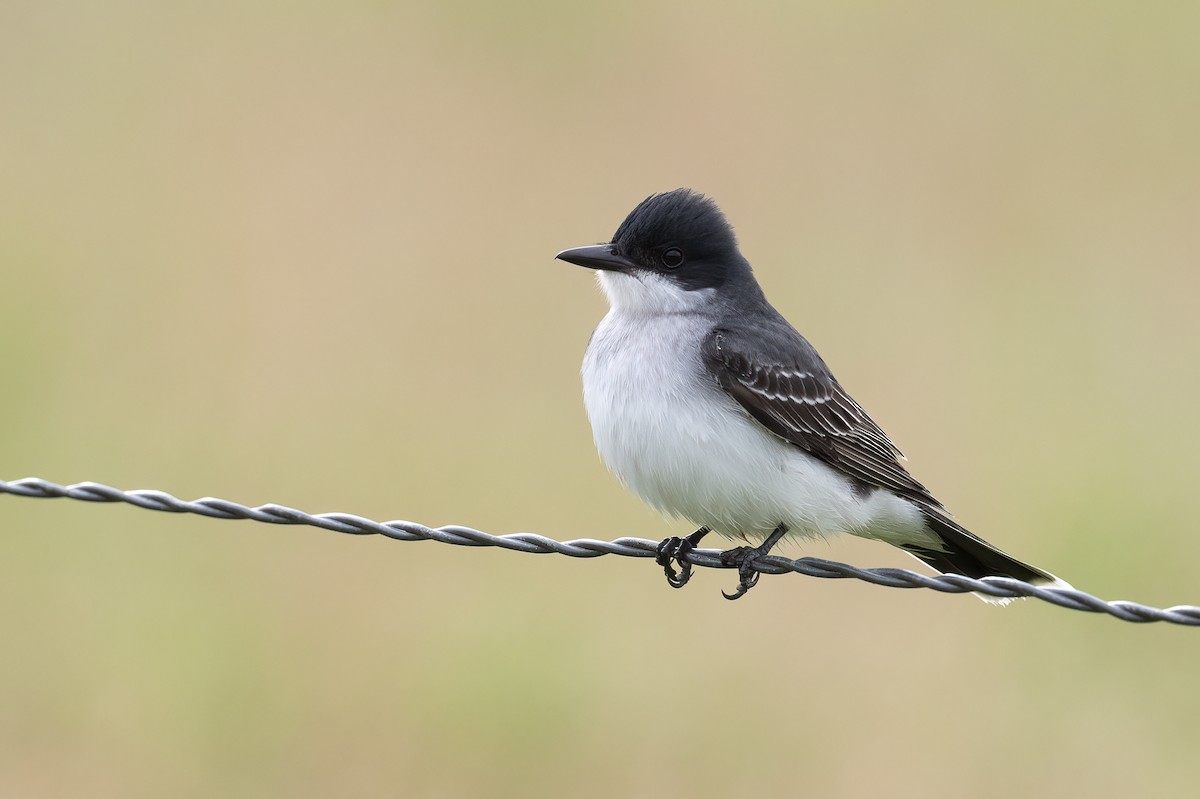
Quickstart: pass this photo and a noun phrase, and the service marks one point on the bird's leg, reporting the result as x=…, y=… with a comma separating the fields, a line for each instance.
x=676, y=548
x=743, y=558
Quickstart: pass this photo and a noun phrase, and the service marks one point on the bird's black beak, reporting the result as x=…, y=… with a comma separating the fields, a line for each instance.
x=599, y=256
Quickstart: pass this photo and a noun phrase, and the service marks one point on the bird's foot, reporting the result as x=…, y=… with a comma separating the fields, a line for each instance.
x=676, y=549
x=743, y=558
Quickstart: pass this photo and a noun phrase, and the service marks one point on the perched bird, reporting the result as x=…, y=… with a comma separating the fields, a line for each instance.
x=711, y=407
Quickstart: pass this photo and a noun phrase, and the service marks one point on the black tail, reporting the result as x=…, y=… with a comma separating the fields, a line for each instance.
x=969, y=555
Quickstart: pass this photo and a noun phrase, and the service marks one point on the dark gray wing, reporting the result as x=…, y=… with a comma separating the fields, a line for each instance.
x=777, y=376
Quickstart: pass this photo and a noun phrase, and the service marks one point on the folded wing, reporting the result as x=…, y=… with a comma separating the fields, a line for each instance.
x=782, y=382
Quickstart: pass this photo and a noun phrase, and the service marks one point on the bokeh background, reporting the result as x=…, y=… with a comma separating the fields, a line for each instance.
x=302, y=253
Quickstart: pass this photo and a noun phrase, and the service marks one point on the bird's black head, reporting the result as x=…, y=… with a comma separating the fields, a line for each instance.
x=680, y=235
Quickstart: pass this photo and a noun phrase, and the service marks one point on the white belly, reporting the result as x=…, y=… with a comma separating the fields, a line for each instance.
x=710, y=462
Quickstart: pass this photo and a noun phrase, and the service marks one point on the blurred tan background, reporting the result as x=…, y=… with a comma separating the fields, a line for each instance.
x=302, y=253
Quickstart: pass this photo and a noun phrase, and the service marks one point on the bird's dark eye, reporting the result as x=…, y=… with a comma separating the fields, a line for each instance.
x=672, y=258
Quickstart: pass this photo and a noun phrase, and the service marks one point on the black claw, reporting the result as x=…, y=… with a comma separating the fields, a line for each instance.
x=738, y=594
x=685, y=568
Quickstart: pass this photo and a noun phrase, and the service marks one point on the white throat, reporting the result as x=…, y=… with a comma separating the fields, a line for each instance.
x=647, y=294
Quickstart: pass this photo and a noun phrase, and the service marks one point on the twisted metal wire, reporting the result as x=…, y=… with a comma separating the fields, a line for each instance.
x=997, y=587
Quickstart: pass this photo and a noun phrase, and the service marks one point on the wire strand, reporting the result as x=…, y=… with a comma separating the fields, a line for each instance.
x=998, y=587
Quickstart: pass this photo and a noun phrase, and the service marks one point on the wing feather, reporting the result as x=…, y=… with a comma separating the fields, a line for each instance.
x=781, y=381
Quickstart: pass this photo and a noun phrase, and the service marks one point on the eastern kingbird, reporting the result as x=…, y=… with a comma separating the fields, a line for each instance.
x=711, y=407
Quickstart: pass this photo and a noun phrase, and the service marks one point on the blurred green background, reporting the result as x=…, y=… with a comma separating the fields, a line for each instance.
x=302, y=253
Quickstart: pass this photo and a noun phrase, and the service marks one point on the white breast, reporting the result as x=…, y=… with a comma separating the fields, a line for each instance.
x=688, y=449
